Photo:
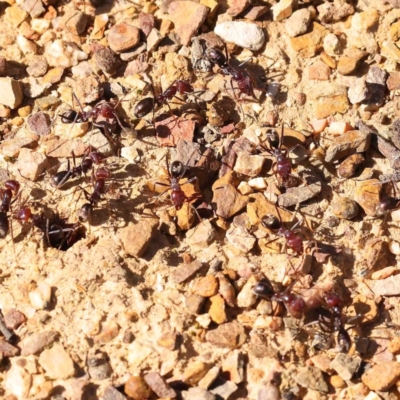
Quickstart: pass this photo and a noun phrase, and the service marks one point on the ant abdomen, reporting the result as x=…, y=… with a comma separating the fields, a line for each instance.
x=69, y=117
x=144, y=107
x=59, y=178
x=264, y=289
x=386, y=205
x=271, y=222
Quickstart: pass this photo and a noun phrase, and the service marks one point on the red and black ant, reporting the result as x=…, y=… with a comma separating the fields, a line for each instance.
x=10, y=190
x=146, y=105
x=294, y=303
x=244, y=80
x=283, y=166
x=104, y=109
x=99, y=188
x=178, y=197
x=293, y=240
x=334, y=322
x=58, y=232
x=62, y=177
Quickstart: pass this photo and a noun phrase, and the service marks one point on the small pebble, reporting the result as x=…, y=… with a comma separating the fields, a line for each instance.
x=159, y=385
x=57, y=363
x=137, y=388
x=13, y=319
x=337, y=382
x=382, y=376
x=383, y=273
x=394, y=247
x=207, y=286
x=243, y=34
x=345, y=365
x=283, y=9
x=298, y=22
x=40, y=123
x=345, y=208
x=11, y=93
x=244, y=188
x=122, y=37
x=348, y=167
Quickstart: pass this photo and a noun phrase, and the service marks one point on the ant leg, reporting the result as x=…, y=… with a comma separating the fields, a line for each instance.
x=236, y=98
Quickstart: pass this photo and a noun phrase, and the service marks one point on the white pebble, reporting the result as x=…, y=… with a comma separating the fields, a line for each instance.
x=63, y=54
x=258, y=183
x=243, y=34
x=283, y=9
x=331, y=45
x=40, y=297
x=395, y=215
x=40, y=25
x=204, y=320
x=394, y=248
x=26, y=46
x=244, y=188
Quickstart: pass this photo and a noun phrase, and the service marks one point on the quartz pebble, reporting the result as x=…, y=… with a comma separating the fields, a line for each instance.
x=31, y=164
x=197, y=393
x=243, y=34
x=57, y=363
x=298, y=22
x=59, y=53
x=11, y=93
x=283, y=9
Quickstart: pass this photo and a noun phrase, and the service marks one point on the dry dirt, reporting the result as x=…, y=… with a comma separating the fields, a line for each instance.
x=110, y=302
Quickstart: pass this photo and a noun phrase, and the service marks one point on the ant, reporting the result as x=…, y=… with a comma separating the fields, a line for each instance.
x=283, y=166
x=176, y=172
x=58, y=232
x=293, y=240
x=244, y=81
x=103, y=109
x=62, y=177
x=294, y=303
x=336, y=321
x=10, y=189
x=146, y=105
x=99, y=188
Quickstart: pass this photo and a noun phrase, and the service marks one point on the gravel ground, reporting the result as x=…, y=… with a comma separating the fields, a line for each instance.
x=271, y=272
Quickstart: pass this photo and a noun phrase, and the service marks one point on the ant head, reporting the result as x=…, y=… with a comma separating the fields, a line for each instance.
x=386, y=205
x=177, y=169
x=273, y=138
x=85, y=212
x=263, y=289
x=271, y=222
